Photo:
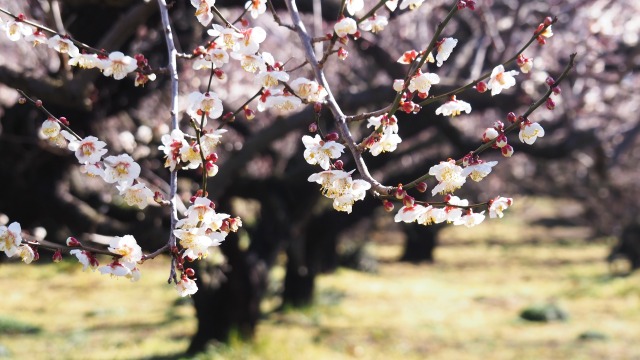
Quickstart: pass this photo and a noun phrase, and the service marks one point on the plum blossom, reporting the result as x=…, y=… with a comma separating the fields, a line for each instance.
x=432, y=215
x=408, y=57
x=207, y=104
x=453, y=210
x=501, y=79
x=391, y=5
x=118, y=65
x=445, y=49
x=470, y=219
x=10, y=238
x=136, y=195
x=421, y=82
x=339, y=186
x=270, y=79
x=50, y=129
x=250, y=63
x=346, y=26
x=479, y=170
x=115, y=269
x=63, y=46
x=88, y=150
x=203, y=10
x=121, y=169
x=256, y=7
x=16, y=29
x=226, y=38
x=36, y=38
x=87, y=259
x=212, y=59
x=26, y=253
x=250, y=40
x=309, y=90
x=387, y=143
x=383, y=120
x=409, y=214
x=171, y=146
x=186, y=286
x=278, y=100
x=530, y=131
x=190, y=155
x=449, y=176
x=210, y=140
x=320, y=152
x=195, y=242
x=85, y=61
x=353, y=6
x=411, y=4
x=375, y=24
x=129, y=250
x=498, y=205
x=453, y=107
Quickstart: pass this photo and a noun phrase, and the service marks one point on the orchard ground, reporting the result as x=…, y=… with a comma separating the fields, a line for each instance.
x=465, y=306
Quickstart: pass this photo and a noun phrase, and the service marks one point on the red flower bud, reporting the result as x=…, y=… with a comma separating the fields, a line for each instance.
x=388, y=205
x=556, y=90
x=422, y=186
x=190, y=272
x=550, y=104
x=73, y=242
x=548, y=21
x=317, y=107
x=313, y=127
x=481, y=86
x=550, y=81
x=511, y=117
x=408, y=201
x=38, y=103
x=333, y=136
x=339, y=165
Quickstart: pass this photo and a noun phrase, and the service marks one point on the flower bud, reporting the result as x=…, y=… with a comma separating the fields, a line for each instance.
x=244, y=22
x=548, y=21
x=339, y=165
x=158, y=197
x=398, y=85
x=501, y=141
x=313, y=127
x=333, y=136
x=471, y=5
x=64, y=120
x=248, y=113
x=317, y=107
x=481, y=86
x=399, y=192
x=408, y=201
x=511, y=117
x=550, y=81
x=388, y=205
x=342, y=53
x=357, y=35
x=507, y=151
x=541, y=40
x=219, y=74
x=550, y=104
x=422, y=186
x=556, y=90
x=489, y=134
x=38, y=103
x=73, y=242
x=57, y=256
x=22, y=101
x=461, y=5
x=190, y=272
x=447, y=198
x=228, y=117
x=498, y=125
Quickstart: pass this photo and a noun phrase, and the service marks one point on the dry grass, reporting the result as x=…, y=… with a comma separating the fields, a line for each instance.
x=465, y=306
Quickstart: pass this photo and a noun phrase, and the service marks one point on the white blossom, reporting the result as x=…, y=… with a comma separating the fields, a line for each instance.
x=530, y=131
x=501, y=79
x=445, y=49
x=453, y=108
x=449, y=176
x=346, y=26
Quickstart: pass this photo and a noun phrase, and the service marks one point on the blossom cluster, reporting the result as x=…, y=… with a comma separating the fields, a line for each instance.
x=115, y=64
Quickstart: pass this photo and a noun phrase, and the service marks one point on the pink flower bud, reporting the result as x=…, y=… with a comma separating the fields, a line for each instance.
x=228, y=117
x=421, y=187
x=219, y=74
x=399, y=192
x=541, y=40
x=471, y=5
x=313, y=127
x=511, y=117
x=548, y=21
x=556, y=90
x=57, y=256
x=248, y=113
x=461, y=5
x=388, y=205
x=489, y=134
x=501, y=141
x=339, y=165
x=550, y=81
x=507, y=151
x=38, y=103
x=550, y=104
x=481, y=86
x=408, y=201
x=498, y=125
x=73, y=242
x=342, y=53
x=190, y=272
x=333, y=136
x=317, y=107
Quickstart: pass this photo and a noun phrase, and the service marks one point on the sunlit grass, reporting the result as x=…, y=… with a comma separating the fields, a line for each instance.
x=465, y=306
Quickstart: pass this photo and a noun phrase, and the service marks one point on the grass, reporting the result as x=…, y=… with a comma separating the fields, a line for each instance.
x=465, y=306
